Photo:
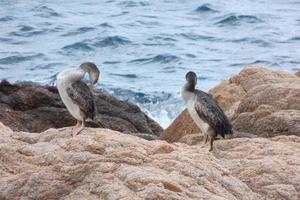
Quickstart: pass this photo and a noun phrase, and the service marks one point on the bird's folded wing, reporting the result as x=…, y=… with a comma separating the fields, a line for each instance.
x=81, y=95
x=209, y=111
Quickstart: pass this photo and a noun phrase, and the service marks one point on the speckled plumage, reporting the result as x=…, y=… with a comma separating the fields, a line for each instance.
x=76, y=95
x=210, y=112
x=205, y=111
x=81, y=95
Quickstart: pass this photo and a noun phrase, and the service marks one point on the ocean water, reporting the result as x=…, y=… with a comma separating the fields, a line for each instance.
x=144, y=48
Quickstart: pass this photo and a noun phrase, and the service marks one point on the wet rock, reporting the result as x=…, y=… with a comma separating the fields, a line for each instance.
x=34, y=108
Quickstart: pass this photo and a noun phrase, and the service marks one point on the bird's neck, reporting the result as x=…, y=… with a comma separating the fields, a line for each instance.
x=187, y=92
x=189, y=86
x=73, y=75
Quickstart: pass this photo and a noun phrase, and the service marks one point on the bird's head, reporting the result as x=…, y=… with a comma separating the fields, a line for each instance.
x=191, y=79
x=93, y=72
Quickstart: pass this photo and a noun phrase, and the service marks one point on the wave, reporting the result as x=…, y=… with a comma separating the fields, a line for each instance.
x=290, y=62
x=190, y=55
x=105, y=25
x=5, y=39
x=120, y=14
x=160, y=106
x=130, y=76
x=26, y=28
x=79, y=31
x=162, y=38
x=17, y=59
x=45, y=12
x=205, y=8
x=264, y=63
x=157, y=44
x=193, y=36
x=139, y=97
x=129, y=4
x=259, y=42
x=160, y=41
x=149, y=23
x=113, y=41
x=82, y=46
x=90, y=45
x=168, y=70
x=111, y=62
x=161, y=58
x=46, y=66
x=28, y=31
x=234, y=20
x=235, y=65
x=296, y=38
x=149, y=16
x=51, y=80
x=6, y=19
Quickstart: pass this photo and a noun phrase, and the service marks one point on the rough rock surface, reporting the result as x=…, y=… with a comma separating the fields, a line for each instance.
x=105, y=164
x=33, y=108
x=257, y=100
x=183, y=125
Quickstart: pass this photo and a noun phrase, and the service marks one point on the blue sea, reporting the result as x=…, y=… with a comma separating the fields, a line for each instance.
x=144, y=48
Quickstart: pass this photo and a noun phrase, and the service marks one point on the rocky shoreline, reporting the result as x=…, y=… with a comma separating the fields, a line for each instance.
x=34, y=108
x=43, y=160
x=259, y=101
x=105, y=164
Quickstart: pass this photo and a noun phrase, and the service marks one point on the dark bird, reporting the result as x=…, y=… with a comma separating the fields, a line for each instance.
x=76, y=95
x=205, y=111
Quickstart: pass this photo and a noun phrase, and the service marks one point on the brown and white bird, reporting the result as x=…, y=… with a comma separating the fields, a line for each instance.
x=205, y=111
x=76, y=95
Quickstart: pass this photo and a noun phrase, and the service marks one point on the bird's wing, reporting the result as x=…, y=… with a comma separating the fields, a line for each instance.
x=209, y=111
x=81, y=95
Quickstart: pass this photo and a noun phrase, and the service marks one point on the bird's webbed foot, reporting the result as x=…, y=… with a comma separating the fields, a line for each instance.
x=78, y=131
x=78, y=128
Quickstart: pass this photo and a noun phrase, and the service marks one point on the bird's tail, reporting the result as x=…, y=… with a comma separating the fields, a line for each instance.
x=240, y=134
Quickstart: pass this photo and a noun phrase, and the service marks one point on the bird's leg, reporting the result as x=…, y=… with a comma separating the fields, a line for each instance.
x=206, y=138
x=211, y=143
x=81, y=128
x=78, y=124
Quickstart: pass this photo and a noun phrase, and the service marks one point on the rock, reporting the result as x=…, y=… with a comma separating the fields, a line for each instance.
x=192, y=139
x=34, y=108
x=257, y=100
x=105, y=164
x=297, y=73
x=271, y=105
x=182, y=126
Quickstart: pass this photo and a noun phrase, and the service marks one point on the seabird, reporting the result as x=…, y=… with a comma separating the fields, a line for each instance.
x=76, y=95
x=205, y=111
